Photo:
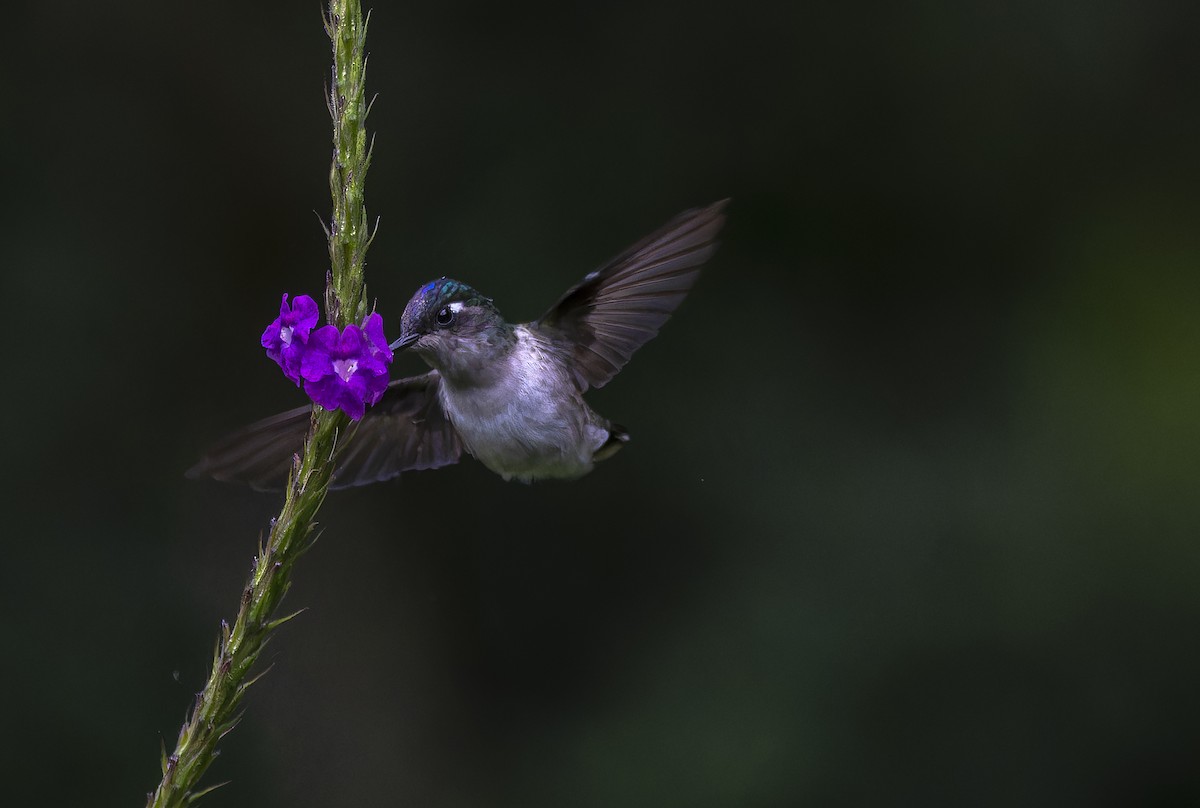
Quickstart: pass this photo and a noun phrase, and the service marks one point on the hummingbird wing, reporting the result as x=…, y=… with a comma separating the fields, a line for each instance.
x=407, y=430
x=618, y=308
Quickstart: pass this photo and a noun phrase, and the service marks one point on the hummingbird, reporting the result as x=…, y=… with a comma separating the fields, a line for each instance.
x=510, y=395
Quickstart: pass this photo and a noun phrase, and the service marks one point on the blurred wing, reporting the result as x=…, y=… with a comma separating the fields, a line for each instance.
x=619, y=307
x=258, y=455
x=407, y=430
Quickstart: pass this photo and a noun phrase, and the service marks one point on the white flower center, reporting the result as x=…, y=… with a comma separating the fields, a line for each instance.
x=345, y=368
x=285, y=334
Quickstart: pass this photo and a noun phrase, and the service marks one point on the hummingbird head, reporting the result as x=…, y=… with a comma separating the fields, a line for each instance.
x=452, y=327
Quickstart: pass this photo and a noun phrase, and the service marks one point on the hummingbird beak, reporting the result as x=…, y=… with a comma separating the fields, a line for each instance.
x=404, y=342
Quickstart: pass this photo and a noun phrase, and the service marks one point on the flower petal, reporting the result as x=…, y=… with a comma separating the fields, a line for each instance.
x=351, y=344
x=304, y=314
x=373, y=328
x=271, y=339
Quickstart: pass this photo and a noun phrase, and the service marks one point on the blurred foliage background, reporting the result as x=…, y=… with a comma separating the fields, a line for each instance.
x=910, y=512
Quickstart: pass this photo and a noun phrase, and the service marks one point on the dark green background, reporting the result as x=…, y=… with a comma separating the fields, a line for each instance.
x=910, y=514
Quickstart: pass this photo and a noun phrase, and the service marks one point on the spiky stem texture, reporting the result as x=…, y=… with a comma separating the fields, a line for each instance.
x=218, y=707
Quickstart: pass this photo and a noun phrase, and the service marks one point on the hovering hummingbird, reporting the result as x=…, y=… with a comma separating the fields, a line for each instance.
x=511, y=395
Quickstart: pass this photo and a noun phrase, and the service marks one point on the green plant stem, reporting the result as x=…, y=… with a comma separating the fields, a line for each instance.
x=349, y=233
x=218, y=707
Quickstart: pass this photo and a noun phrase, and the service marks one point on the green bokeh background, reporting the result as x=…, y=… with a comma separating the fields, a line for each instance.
x=910, y=514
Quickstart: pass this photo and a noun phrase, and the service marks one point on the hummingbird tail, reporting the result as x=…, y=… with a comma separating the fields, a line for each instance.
x=617, y=437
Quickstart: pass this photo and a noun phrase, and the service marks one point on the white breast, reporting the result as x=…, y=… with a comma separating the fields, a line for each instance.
x=531, y=422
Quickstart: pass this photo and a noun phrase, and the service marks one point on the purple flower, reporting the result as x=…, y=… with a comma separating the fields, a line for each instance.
x=376, y=341
x=285, y=338
x=346, y=370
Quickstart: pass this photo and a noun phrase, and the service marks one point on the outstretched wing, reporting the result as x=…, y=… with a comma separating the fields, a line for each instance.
x=618, y=308
x=407, y=430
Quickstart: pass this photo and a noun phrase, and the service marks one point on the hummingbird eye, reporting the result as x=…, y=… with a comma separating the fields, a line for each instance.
x=445, y=316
